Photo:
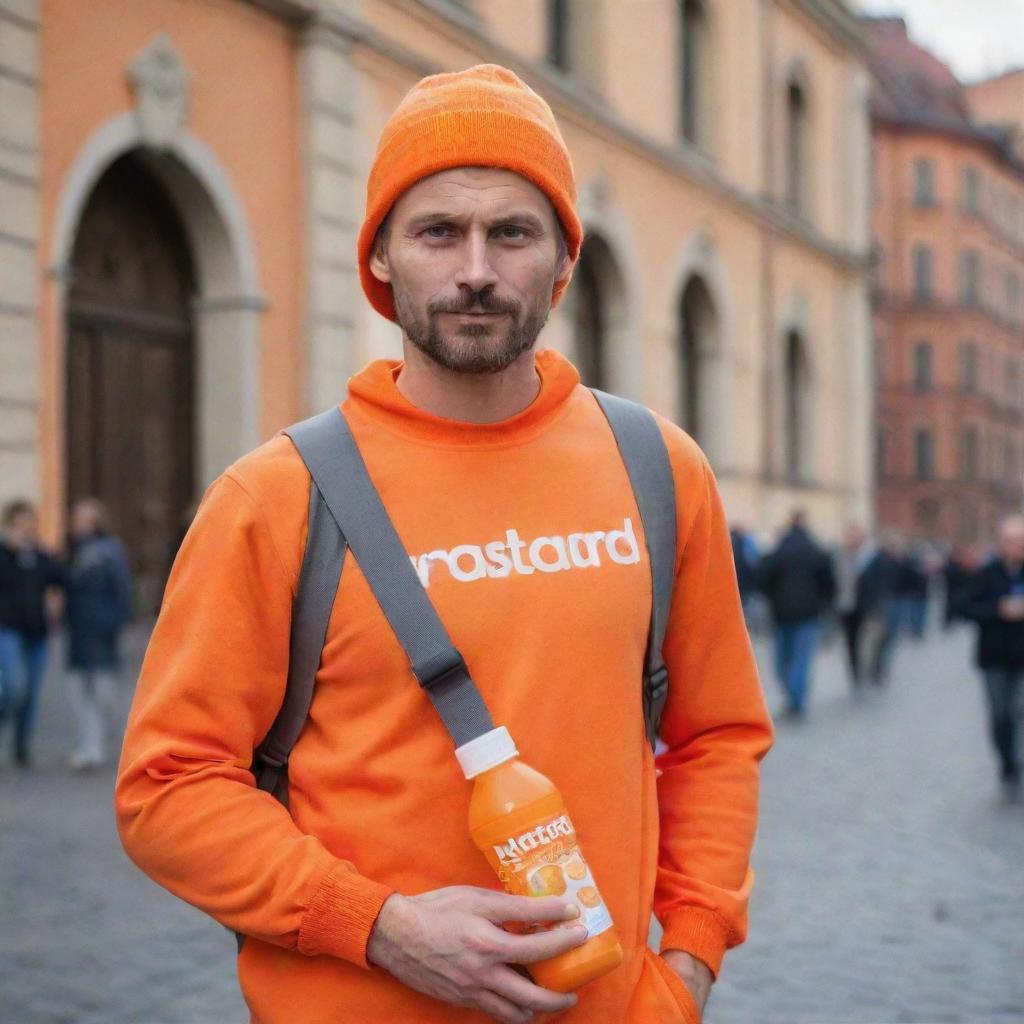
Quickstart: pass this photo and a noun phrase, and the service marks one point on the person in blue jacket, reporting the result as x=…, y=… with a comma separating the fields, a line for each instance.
x=99, y=604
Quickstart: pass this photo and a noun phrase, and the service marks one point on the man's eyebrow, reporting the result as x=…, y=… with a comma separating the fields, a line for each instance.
x=447, y=217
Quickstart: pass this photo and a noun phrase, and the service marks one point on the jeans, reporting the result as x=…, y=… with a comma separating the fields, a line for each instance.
x=22, y=665
x=94, y=699
x=795, y=644
x=1003, y=691
x=852, y=622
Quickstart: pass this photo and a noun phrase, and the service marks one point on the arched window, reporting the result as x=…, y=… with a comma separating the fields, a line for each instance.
x=924, y=182
x=969, y=367
x=796, y=147
x=693, y=65
x=923, y=361
x=596, y=304
x=698, y=344
x=589, y=328
x=559, y=30
x=924, y=273
x=970, y=277
x=797, y=410
x=969, y=454
x=924, y=454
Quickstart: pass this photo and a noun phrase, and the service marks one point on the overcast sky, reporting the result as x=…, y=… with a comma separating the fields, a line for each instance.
x=976, y=37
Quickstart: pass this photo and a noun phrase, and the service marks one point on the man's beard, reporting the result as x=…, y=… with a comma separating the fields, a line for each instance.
x=472, y=348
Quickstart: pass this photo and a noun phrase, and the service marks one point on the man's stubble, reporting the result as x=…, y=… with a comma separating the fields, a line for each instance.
x=487, y=347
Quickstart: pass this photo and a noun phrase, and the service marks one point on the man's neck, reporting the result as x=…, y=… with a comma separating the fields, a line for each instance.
x=468, y=397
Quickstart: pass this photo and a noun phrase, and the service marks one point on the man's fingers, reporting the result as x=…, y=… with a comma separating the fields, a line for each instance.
x=531, y=949
x=500, y=906
x=502, y=1009
x=507, y=982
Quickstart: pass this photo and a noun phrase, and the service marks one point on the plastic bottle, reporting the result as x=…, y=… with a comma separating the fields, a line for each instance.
x=518, y=820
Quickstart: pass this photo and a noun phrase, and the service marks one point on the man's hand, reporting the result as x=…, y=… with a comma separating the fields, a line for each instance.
x=449, y=944
x=695, y=974
x=1011, y=608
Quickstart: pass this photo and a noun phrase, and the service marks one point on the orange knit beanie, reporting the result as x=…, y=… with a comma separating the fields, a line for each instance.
x=485, y=116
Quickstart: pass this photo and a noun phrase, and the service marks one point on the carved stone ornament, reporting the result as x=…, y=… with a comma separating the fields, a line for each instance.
x=160, y=83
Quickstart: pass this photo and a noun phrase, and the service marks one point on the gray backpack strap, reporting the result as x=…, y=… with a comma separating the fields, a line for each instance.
x=650, y=473
x=322, y=562
x=339, y=471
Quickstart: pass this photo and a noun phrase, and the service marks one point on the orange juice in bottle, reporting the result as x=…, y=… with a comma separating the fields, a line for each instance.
x=518, y=820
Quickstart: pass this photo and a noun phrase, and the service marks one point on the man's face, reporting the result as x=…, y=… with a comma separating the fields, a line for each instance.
x=854, y=536
x=1011, y=539
x=472, y=255
x=23, y=528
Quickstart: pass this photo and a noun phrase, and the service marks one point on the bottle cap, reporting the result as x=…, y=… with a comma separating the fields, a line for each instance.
x=487, y=751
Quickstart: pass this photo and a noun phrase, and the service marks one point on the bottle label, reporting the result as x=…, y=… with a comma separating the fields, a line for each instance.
x=545, y=860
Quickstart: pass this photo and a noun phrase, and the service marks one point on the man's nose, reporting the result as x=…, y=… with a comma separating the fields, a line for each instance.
x=475, y=271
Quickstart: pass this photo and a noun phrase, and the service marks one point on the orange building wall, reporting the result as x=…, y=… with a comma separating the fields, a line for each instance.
x=995, y=411
x=250, y=122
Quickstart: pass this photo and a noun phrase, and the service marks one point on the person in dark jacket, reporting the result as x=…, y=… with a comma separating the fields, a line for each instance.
x=798, y=581
x=912, y=595
x=30, y=578
x=746, y=557
x=957, y=573
x=851, y=561
x=878, y=599
x=995, y=601
x=99, y=604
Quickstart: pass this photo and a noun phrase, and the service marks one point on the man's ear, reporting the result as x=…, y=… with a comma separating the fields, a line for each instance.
x=565, y=269
x=379, y=263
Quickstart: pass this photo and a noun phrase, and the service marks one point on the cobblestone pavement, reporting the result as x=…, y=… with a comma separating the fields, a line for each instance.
x=890, y=880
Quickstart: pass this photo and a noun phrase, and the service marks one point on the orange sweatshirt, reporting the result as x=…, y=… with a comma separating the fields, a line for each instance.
x=528, y=538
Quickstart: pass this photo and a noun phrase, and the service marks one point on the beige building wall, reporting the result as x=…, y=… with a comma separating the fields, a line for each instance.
x=279, y=132
x=667, y=210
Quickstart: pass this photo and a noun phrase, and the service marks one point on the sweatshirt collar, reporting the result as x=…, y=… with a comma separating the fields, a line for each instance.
x=374, y=394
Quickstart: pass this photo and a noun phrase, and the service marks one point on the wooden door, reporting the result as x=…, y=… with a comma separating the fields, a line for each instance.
x=130, y=368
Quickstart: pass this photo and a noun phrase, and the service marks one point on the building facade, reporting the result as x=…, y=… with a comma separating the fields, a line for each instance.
x=181, y=184
x=949, y=230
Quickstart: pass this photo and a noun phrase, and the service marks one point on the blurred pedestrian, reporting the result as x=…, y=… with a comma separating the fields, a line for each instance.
x=798, y=581
x=957, y=574
x=746, y=557
x=912, y=596
x=882, y=612
x=852, y=605
x=30, y=578
x=99, y=604
x=995, y=601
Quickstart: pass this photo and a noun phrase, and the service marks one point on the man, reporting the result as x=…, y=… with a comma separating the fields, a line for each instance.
x=30, y=599
x=995, y=600
x=798, y=581
x=957, y=572
x=100, y=600
x=880, y=595
x=851, y=560
x=369, y=903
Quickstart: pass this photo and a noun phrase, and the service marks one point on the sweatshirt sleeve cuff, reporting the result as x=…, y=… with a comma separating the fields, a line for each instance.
x=700, y=932
x=341, y=915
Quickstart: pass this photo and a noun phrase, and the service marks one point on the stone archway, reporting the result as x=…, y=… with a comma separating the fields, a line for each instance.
x=227, y=303
x=130, y=367
x=597, y=308
x=186, y=187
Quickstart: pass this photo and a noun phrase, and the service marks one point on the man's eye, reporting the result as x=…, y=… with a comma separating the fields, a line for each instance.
x=437, y=228
x=519, y=232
